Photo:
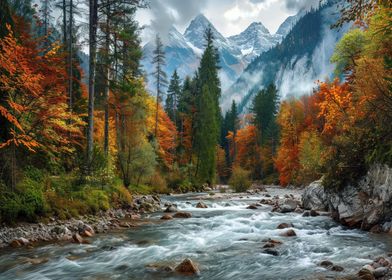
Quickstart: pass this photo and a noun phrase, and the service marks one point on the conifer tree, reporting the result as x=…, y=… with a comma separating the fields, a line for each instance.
x=265, y=109
x=173, y=94
x=159, y=74
x=208, y=114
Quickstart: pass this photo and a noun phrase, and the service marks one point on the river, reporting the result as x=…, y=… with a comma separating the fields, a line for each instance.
x=225, y=240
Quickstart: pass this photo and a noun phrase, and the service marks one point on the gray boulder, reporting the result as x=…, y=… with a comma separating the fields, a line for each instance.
x=314, y=197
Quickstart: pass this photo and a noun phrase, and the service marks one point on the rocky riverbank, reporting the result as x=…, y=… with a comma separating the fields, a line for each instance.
x=367, y=206
x=77, y=230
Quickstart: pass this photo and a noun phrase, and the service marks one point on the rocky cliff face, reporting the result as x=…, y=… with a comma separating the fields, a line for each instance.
x=368, y=206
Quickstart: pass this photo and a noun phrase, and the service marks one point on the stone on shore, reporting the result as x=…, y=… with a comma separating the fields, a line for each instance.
x=77, y=238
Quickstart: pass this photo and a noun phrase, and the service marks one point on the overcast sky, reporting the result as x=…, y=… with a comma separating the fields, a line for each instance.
x=230, y=17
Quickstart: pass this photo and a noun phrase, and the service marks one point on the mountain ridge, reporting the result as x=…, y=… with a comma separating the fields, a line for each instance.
x=183, y=51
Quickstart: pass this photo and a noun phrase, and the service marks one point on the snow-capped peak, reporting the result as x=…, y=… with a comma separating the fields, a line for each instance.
x=196, y=30
x=254, y=40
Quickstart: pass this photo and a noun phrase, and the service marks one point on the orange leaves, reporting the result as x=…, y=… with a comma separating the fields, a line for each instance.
x=167, y=132
x=247, y=149
x=34, y=102
x=336, y=102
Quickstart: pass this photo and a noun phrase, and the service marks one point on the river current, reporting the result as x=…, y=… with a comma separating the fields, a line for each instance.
x=225, y=240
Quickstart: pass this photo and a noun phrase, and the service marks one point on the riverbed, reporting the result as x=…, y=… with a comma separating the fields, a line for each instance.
x=225, y=240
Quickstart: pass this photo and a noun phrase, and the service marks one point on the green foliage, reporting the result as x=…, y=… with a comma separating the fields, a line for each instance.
x=173, y=94
x=121, y=197
x=265, y=109
x=239, y=179
x=139, y=163
x=96, y=200
x=207, y=122
x=311, y=152
x=27, y=202
x=347, y=51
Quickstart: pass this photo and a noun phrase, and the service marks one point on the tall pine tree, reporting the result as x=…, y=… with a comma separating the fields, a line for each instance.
x=208, y=113
x=173, y=94
x=159, y=74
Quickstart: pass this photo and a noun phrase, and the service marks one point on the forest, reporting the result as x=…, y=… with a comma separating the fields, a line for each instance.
x=75, y=142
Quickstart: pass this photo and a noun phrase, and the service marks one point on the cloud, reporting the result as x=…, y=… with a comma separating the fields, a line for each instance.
x=165, y=14
x=296, y=5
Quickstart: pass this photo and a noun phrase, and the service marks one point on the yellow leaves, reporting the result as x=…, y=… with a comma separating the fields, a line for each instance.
x=54, y=49
x=99, y=131
x=336, y=102
x=167, y=131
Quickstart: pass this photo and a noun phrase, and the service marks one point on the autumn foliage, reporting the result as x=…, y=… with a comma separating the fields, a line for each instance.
x=34, y=101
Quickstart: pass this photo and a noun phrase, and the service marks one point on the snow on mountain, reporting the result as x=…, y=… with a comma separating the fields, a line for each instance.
x=294, y=65
x=180, y=56
x=254, y=40
x=183, y=51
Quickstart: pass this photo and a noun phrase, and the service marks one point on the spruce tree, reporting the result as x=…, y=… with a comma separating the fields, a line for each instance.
x=265, y=108
x=173, y=94
x=208, y=113
x=159, y=74
x=229, y=123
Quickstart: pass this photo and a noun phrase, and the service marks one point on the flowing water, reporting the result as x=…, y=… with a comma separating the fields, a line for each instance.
x=225, y=240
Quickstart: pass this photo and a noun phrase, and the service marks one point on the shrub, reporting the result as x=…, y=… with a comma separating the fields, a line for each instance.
x=158, y=183
x=121, y=197
x=96, y=200
x=239, y=179
x=26, y=202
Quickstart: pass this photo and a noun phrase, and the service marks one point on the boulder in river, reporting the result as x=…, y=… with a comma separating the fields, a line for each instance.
x=288, y=233
x=326, y=263
x=306, y=214
x=36, y=261
x=182, y=215
x=201, y=204
x=314, y=213
x=289, y=205
x=187, y=267
x=270, y=251
x=252, y=206
x=337, y=268
x=285, y=225
x=166, y=217
x=171, y=209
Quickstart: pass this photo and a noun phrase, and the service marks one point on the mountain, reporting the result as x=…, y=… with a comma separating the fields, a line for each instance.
x=179, y=55
x=289, y=23
x=183, y=51
x=254, y=40
x=230, y=56
x=294, y=65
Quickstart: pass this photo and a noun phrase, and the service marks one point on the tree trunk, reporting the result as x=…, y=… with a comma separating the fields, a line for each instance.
x=93, y=19
x=107, y=82
x=70, y=54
